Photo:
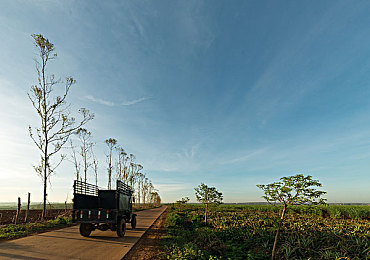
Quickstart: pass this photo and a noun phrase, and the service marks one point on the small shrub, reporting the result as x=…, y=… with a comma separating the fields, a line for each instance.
x=173, y=219
x=188, y=252
x=61, y=220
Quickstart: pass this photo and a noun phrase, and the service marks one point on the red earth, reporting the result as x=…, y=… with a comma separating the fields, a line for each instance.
x=8, y=216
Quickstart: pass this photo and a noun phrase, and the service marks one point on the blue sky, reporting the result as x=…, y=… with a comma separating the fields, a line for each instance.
x=230, y=93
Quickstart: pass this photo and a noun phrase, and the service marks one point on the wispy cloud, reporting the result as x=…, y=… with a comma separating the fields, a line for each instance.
x=112, y=104
x=245, y=157
x=100, y=101
x=133, y=102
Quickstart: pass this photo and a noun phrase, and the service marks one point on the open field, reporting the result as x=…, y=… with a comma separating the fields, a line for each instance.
x=35, y=205
x=333, y=211
x=247, y=232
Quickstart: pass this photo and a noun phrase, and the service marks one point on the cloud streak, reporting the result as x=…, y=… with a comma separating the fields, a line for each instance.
x=133, y=102
x=112, y=104
x=248, y=156
x=100, y=101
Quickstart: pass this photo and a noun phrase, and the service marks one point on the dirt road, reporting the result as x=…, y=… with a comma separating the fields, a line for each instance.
x=67, y=243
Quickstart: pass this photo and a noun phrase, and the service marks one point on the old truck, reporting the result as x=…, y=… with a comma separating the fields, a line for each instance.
x=96, y=208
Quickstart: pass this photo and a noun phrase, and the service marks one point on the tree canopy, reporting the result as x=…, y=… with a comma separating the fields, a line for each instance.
x=293, y=190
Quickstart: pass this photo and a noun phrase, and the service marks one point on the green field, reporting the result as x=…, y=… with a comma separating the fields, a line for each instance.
x=247, y=232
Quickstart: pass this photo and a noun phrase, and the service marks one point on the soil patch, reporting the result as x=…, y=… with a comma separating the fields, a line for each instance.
x=149, y=245
x=8, y=216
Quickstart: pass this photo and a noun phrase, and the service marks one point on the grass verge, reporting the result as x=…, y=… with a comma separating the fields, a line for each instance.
x=21, y=230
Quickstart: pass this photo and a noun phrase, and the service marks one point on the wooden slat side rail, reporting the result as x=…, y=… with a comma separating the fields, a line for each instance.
x=85, y=188
x=124, y=188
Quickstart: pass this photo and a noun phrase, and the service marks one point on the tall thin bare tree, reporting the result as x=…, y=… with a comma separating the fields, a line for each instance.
x=95, y=167
x=145, y=189
x=120, y=165
x=75, y=160
x=141, y=177
x=111, y=143
x=85, y=149
x=56, y=124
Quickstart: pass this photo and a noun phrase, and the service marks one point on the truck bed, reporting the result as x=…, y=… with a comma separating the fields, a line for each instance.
x=94, y=205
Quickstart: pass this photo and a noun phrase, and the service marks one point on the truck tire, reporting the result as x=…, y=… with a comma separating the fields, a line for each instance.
x=121, y=228
x=133, y=222
x=85, y=229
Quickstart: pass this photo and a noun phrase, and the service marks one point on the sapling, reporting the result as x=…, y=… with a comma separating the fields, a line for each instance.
x=207, y=195
x=292, y=190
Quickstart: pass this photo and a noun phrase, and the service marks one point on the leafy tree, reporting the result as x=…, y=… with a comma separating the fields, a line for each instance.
x=292, y=190
x=207, y=195
x=56, y=123
x=111, y=143
x=183, y=200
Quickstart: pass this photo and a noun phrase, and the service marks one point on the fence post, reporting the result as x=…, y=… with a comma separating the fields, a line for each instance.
x=28, y=207
x=18, y=211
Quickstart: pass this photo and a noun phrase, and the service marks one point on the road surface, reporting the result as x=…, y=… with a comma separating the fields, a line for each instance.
x=67, y=243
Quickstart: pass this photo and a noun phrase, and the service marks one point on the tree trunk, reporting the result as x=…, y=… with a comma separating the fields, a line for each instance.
x=44, y=200
x=85, y=161
x=277, y=232
x=138, y=193
x=46, y=163
x=110, y=170
x=205, y=215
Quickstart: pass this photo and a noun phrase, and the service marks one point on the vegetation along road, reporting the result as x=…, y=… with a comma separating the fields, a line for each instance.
x=67, y=243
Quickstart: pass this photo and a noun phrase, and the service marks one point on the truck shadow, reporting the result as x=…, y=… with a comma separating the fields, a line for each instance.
x=102, y=239
x=14, y=256
x=136, y=229
x=125, y=239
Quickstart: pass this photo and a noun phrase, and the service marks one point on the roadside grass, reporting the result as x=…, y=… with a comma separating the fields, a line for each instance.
x=14, y=231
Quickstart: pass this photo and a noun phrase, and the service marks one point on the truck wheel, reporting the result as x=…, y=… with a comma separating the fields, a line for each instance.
x=85, y=229
x=133, y=222
x=121, y=228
